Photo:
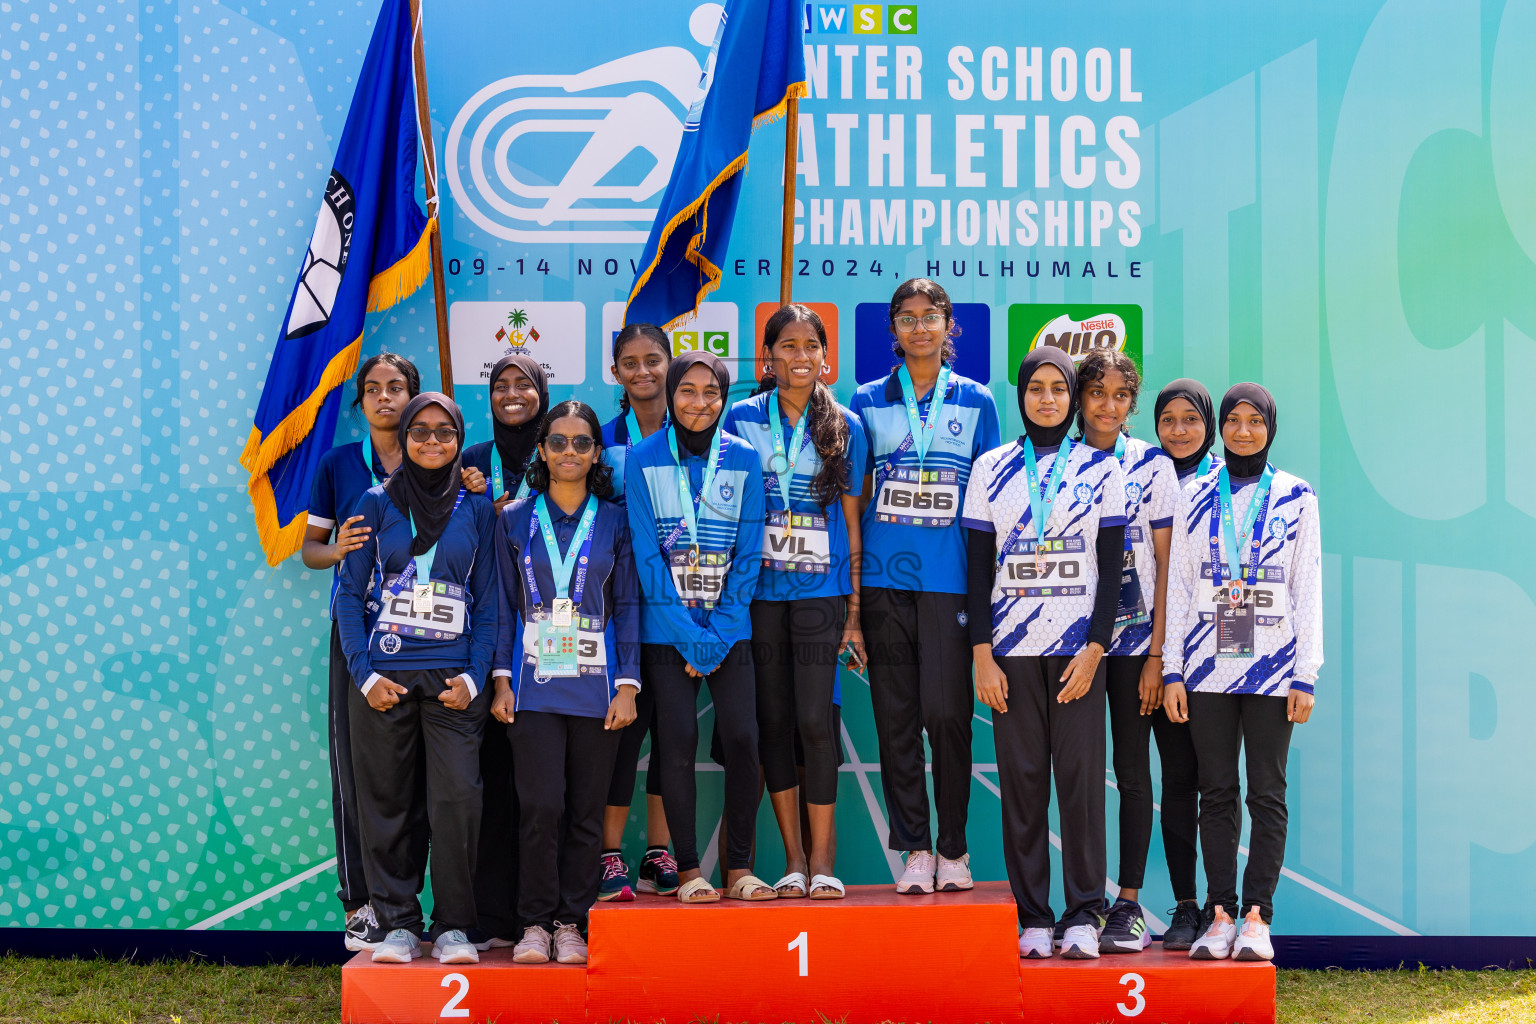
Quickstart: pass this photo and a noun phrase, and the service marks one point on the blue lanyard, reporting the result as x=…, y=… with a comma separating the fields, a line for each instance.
x=1039, y=496
x=1206, y=463
x=560, y=567
x=922, y=431
x=783, y=464
x=420, y=567
x=523, y=490
x=1120, y=448
x=1249, y=538
x=690, y=519
x=368, y=458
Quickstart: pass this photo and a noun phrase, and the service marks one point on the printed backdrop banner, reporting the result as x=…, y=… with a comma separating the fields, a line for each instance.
x=1334, y=200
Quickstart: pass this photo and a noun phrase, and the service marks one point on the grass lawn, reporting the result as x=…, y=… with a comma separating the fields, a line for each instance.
x=110, y=992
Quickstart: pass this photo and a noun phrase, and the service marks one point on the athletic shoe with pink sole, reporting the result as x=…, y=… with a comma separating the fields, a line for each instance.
x=917, y=879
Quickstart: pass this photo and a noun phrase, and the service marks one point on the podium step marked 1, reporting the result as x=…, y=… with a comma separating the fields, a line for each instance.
x=873, y=957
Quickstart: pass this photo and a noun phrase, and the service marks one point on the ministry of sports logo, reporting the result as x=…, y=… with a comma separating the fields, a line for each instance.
x=508, y=149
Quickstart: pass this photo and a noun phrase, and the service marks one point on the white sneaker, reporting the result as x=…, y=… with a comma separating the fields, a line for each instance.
x=398, y=947
x=917, y=879
x=570, y=947
x=1216, y=943
x=534, y=947
x=1035, y=944
x=1253, y=941
x=954, y=875
x=454, y=947
x=1081, y=942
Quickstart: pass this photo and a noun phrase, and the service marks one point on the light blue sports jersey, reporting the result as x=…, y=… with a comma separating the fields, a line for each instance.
x=617, y=445
x=898, y=554
x=1288, y=630
x=1048, y=612
x=792, y=566
x=702, y=628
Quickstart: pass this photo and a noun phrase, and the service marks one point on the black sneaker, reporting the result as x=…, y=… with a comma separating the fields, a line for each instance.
x=1125, y=930
x=363, y=931
x=658, y=872
x=1184, y=929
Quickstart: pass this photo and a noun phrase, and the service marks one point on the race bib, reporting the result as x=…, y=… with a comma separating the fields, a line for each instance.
x=1059, y=574
x=407, y=614
x=699, y=585
x=932, y=502
x=584, y=654
x=805, y=547
x=1268, y=597
x=1132, y=607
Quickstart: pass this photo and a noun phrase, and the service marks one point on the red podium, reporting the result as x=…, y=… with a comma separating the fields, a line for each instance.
x=872, y=957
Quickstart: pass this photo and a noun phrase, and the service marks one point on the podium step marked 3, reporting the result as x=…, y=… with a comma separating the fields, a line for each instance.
x=875, y=956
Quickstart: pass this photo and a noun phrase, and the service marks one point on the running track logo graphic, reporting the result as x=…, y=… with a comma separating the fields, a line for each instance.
x=504, y=162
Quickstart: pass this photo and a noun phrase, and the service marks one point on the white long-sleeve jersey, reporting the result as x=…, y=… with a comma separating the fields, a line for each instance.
x=1288, y=635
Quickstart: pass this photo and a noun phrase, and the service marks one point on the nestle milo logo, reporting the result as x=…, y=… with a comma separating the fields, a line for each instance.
x=1079, y=337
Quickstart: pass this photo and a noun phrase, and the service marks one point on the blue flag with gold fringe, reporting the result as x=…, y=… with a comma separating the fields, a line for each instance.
x=756, y=64
x=369, y=250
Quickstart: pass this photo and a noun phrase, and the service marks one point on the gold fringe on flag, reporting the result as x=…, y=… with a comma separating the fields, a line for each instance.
x=710, y=274
x=409, y=273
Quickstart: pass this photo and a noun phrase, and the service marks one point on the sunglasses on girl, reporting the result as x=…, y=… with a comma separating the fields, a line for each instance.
x=444, y=435
x=581, y=443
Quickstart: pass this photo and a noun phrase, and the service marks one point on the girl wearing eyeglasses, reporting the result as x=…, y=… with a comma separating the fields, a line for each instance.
x=567, y=670
x=807, y=606
x=641, y=354
x=695, y=499
x=417, y=614
x=926, y=425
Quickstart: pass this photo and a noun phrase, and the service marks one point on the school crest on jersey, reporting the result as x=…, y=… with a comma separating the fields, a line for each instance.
x=389, y=643
x=727, y=492
x=1132, y=494
x=1276, y=527
x=954, y=426
x=1082, y=493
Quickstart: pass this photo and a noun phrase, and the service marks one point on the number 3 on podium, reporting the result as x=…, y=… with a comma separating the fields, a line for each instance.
x=802, y=942
x=1136, y=1002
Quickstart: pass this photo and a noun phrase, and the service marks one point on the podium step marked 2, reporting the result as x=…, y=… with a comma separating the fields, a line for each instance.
x=875, y=956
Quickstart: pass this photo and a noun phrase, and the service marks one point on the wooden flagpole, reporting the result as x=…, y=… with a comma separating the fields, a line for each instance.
x=791, y=157
x=434, y=208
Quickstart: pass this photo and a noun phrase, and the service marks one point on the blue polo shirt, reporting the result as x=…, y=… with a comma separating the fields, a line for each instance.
x=340, y=483
x=898, y=554
x=730, y=529
x=749, y=420
x=607, y=619
x=458, y=563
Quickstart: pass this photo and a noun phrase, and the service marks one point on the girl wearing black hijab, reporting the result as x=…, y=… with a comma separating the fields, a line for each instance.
x=1047, y=530
x=695, y=499
x=1243, y=649
x=1186, y=428
x=519, y=399
x=417, y=611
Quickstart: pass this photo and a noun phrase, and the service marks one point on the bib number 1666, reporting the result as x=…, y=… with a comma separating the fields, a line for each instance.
x=923, y=501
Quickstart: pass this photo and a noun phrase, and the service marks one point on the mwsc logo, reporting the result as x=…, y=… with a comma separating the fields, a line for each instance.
x=860, y=19
x=508, y=150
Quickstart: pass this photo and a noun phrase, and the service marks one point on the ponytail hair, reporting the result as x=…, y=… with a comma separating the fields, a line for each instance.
x=638, y=332
x=405, y=366
x=827, y=429
x=599, y=477
x=1092, y=368
x=934, y=293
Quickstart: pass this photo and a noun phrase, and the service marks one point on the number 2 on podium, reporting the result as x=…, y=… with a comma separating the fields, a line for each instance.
x=452, y=1008
x=802, y=942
